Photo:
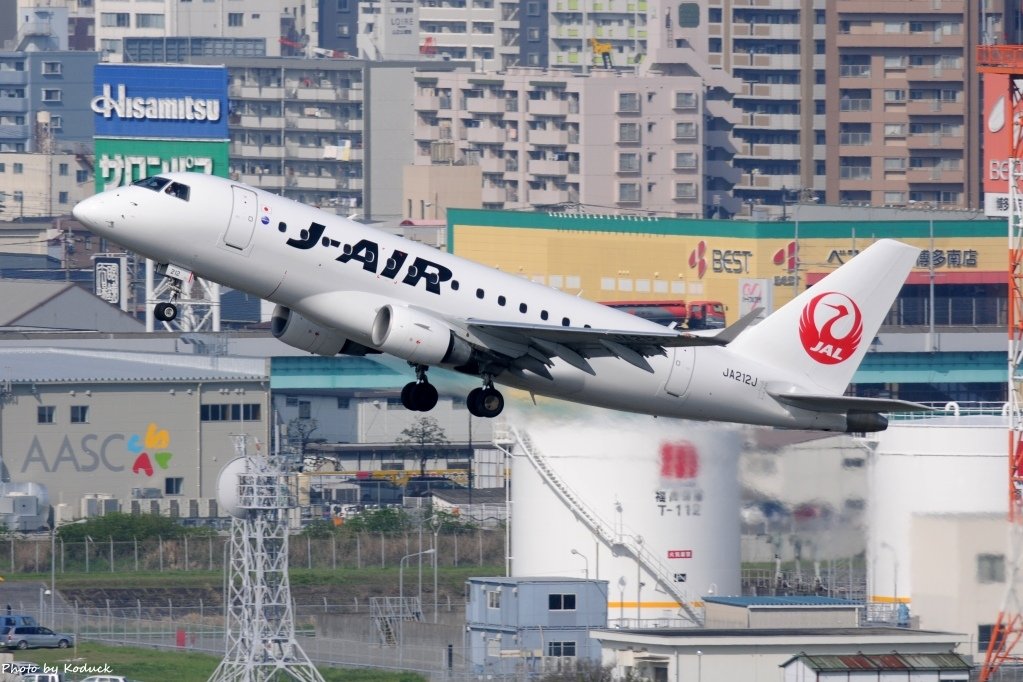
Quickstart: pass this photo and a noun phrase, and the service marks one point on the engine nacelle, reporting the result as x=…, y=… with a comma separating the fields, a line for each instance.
x=865, y=422
x=295, y=330
x=417, y=337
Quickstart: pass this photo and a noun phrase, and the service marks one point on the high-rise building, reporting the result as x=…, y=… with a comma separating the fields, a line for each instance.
x=334, y=133
x=649, y=143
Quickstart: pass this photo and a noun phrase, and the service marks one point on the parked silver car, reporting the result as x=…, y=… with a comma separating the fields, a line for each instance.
x=34, y=636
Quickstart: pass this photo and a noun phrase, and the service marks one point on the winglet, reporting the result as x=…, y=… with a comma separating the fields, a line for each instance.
x=729, y=333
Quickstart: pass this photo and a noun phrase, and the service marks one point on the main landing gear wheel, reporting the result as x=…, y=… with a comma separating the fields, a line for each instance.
x=165, y=312
x=419, y=397
x=485, y=402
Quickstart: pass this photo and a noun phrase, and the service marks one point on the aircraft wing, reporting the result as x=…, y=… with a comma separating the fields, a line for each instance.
x=528, y=344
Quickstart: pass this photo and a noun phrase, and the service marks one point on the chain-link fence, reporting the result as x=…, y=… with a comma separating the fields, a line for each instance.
x=42, y=554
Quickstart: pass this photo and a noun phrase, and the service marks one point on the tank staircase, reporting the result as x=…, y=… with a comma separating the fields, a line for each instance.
x=618, y=542
x=388, y=611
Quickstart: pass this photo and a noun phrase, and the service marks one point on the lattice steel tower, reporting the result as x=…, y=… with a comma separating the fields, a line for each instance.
x=260, y=641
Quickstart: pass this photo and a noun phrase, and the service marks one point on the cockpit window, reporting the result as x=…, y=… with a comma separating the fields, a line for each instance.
x=176, y=189
x=154, y=183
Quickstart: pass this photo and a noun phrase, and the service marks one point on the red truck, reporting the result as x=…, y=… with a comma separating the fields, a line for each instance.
x=692, y=315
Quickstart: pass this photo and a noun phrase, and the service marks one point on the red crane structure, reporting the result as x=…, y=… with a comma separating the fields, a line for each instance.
x=1008, y=627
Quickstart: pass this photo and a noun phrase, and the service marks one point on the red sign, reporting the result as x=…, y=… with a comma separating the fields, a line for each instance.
x=680, y=554
x=679, y=460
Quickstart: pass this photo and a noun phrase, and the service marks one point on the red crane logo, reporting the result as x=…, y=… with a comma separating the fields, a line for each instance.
x=831, y=328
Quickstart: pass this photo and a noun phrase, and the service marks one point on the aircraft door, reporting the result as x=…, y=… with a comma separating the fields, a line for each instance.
x=683, y=360
x=243, y=218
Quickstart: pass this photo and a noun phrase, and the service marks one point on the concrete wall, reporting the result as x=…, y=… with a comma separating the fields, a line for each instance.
x=949, y=592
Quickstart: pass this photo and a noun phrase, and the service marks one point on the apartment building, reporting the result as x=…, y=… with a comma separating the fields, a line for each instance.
x=34, y=185
x=334, y=133
x=193, y=29
x=905, y=99
x=642, y=148
x=44, y=100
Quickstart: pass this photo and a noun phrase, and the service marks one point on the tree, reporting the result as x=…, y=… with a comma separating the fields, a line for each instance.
x=301, y=431
x=419, y=434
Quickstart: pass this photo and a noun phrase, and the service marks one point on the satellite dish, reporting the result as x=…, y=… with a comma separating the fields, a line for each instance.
x=227, y=487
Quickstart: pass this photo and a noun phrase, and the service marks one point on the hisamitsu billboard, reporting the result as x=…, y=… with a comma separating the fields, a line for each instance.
x=160, y=102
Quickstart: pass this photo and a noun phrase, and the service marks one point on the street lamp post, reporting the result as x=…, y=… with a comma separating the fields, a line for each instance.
x=586, y=564
x=435, y=522
x=401, y=600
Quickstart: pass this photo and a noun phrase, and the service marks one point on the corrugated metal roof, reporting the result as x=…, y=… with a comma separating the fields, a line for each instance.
x=889, y=661
x=780, y=601
x=65, y=365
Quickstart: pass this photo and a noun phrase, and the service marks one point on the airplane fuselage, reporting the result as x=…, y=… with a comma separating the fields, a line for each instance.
x=339, y=273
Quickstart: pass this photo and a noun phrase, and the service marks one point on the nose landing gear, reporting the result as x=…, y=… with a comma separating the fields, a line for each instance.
x=167, y=311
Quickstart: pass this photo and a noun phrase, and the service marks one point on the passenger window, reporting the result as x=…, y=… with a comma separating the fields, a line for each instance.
x=282, y=226
x=479, y=293
x=565, y=322
x=543, y=314
x=522, y=307
x=501, y=300
x=176, y=189
x=454, y=285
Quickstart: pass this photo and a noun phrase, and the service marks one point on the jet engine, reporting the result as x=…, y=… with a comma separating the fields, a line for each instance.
x=295, y=330
x=417, y=337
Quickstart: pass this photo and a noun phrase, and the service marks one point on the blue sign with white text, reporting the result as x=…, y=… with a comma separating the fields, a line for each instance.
x=160, y=102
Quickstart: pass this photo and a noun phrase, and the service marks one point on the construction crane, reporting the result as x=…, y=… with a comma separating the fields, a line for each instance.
x=1008, y=627
x=605, y=50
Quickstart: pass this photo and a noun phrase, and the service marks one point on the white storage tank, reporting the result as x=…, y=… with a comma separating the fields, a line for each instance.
x=937, y=465
x=650, y=505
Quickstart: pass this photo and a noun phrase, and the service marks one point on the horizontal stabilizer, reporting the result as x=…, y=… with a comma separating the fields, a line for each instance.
x=843, y=403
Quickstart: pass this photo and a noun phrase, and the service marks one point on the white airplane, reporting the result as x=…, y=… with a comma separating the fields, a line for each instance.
x=343, y=287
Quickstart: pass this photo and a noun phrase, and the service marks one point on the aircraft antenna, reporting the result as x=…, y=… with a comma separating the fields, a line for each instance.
x=259, y=623
x=1008, y=627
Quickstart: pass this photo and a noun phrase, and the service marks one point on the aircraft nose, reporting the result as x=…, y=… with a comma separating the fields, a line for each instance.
x=96, y=213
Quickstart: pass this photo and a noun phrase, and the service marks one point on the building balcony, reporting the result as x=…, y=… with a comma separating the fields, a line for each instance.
x=13, y=77
x=934, y=175
x=352, y=125
x=775, y=31
x=485, y=105
x=312, y=182
x=349, y=94
x=14, y=105
x=309, y=94
x=351, y=184
x=901, y=7
x=934, y=73
x=934, y=107
x=486, y=135
x=310, y=123
x=262, y=180
x=548, y=196
x=492, y=164
x=266, y=122
x=426, y=102
x=770, y=91
x=15, y=132
x=548, y=137
x=493, y=195
x=549, y=107
x=547, y=167
x=934, y=141
x=425, y=132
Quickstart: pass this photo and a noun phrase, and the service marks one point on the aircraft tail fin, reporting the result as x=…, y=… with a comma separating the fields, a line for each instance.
x=821, y=336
